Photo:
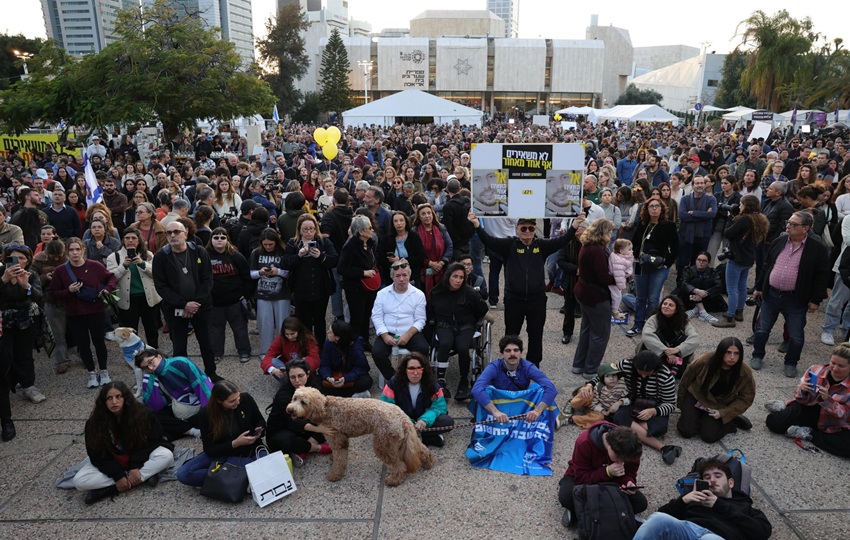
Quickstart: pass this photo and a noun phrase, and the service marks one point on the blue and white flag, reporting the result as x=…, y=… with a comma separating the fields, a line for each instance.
x=275, y=115
x=517, y=447
x=94, y=193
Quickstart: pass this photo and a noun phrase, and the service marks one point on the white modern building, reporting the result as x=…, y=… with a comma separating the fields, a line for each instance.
x=82, y=27
x=685, y=83
x=508, y=11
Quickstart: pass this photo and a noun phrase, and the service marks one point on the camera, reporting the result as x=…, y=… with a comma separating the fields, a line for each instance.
x=726, y=254
x=655, y=261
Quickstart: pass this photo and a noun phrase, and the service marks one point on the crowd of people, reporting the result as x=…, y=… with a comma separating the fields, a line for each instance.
x=201, y=236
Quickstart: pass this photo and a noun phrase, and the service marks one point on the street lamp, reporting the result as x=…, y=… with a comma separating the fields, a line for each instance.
x=23, y=56
x=367, y=68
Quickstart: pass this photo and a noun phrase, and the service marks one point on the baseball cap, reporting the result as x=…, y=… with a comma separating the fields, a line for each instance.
x=520, y=221
x=41, y=173
x=694, y=158
x=608, y=369
x=248, y=205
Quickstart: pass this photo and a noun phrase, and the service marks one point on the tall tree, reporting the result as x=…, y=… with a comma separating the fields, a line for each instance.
x=11, y=68
x=635, y=96
x=336, y=88
x=165, y=66
x=282, y=52
x=729, y=92
x=778, y=44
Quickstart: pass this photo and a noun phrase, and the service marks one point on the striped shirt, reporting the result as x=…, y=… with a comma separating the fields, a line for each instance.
x=661, y=386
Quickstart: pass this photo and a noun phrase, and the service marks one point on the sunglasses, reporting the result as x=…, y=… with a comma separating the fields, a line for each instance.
x=400, y=266
x=412, y=369
x=219, y=237
x=173, y=233
x=528, y=228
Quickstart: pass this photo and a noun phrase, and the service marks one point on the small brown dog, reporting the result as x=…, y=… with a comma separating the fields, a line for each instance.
x=394, y=438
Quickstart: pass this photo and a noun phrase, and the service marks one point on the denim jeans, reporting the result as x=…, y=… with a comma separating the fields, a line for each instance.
x=736, y=286
x=476, y=250
x=773, y=303
x=661, y=526
x=555, y=274
x=837, y=314
x=648, y=288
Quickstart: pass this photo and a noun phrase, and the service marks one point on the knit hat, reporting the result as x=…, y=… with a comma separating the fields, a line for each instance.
x=609, y=369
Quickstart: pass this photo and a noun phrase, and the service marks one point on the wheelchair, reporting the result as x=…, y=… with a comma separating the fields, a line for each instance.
x=479, y=353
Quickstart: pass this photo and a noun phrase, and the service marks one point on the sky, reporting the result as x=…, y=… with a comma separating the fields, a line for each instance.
x=664, y=23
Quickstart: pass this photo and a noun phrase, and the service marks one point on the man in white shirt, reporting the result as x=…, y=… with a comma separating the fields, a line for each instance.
x=96, y=148
x=399, y=317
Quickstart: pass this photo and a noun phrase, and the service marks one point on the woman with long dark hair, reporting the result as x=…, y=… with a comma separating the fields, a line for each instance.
x=414, y=390
x=125, y=445
x=231, y=429
x=295, y=341
x=746, y=231
x=670, y=336
x=455, y=308
x=273, y=293
x=231, y=284
x=437, y=243
x=295, y=436
x=343, y=368
x=401, y=244
x=714, y=393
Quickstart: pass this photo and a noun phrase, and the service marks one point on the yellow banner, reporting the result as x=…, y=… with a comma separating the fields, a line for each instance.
x=27, y=145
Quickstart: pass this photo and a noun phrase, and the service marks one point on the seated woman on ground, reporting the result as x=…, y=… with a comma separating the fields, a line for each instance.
x=170, y=379
x=670, y=336
x=344, y=369
x=294, y=436
x=124, y=443
x=714, y=393
x=415, y=391
x=294, y=341
x=231, y=429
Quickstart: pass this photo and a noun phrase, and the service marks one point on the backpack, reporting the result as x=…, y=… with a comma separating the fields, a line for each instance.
x=603, y=512
x=741, y=472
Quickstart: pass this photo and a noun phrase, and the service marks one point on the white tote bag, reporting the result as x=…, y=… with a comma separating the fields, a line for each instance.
x=270, y=479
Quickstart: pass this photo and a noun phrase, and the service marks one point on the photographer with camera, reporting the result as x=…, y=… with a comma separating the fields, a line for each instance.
x=268, y=158
x=747, y=230
x=727, y=207
x=263, y=194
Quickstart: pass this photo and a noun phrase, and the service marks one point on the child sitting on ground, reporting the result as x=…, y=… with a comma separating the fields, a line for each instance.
x=620, y=262
x=608, y=396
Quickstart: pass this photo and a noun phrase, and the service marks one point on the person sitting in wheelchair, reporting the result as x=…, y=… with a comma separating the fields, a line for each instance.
x=455, y=308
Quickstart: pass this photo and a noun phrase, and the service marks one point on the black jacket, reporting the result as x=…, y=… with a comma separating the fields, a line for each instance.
x=245, y=417
x=166, y=277
x=455, y=309
x=415, y=255
x=739, y=233
x=354, y=260
x=335, y=224
x=813, y=274
x=525, y=276
x=249, y=238
x=455, y=220
x=310, y=278
x=231, y=278
x=777, y=213
x=279, y=419
x=732, y=518
x=662, y=239
x=105, y=461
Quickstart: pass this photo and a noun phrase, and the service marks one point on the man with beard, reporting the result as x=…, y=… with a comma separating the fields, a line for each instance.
x=117, y=203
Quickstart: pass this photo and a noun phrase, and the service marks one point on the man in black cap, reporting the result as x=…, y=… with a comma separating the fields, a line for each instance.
x=245, y=212
x=525, y=257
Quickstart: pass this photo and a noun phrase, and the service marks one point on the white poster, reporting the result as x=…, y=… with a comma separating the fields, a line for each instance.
x=540, y=120
x=761, y=130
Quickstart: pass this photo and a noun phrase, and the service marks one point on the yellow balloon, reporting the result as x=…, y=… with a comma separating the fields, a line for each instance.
x=320, y=136
x=329, y=150
x=558, y=117
x=333, y=135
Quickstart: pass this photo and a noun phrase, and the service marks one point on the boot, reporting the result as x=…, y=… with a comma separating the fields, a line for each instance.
x=462, y=393
x=99, y=494
x=724, y=322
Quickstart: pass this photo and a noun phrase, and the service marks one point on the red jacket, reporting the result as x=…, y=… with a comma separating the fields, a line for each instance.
x=284, y=349
x=590, y=458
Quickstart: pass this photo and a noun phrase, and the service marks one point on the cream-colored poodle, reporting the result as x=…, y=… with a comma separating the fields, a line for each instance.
x=394, y=438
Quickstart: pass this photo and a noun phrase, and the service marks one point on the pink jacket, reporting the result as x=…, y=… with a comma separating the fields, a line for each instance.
x=621, y=268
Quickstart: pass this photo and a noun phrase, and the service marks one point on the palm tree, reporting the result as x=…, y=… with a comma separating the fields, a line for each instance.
x=778, y=44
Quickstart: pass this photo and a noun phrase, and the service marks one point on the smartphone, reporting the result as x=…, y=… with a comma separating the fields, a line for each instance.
x=131, y=253
x=256, y=431
x=701, y=485
x=11, y=260
x=312, y=244
x=813, y=381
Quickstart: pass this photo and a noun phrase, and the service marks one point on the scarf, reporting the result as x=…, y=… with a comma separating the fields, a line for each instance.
x=434, y=249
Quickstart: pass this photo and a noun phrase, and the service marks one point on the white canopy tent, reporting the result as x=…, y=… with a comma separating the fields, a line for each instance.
x=576, y=110
x=804, y=116
x=637, y=113
x=413, y=106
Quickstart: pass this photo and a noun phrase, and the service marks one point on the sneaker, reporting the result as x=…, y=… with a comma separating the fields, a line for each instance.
x=800, y=432
x=577, y=371
x=742, y=422
x=446, y=393
x=709, y=318
x=724, y=322
x=109, y=336
x=195, y=432
x=153, y=481
x=99, y=494
x=32, y=394
x=670, y=452
x=775, y=405
x=692, y=313
x=589, y=376
x=325, y=448
x=104, y=377
x=790, y=371
x=244, y=358
x=297, y=460
x=827, y=338
x=633, y=331
x=750, y=339
x=363, y=395
x=462, y=393
x=93, y=381
x=493, y=303
x=783, y=348
x=756, y=362
x=567, y=518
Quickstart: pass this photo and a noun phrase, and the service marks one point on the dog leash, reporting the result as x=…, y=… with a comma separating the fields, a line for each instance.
x=470, y=424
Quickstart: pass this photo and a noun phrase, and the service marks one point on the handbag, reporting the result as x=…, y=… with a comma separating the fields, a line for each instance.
x=373, y=283
x=182, y=411
x=86, y=293
x=225, y=482
x=270, y=477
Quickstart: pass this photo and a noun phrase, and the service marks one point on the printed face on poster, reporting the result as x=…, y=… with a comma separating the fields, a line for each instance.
x=527, y=180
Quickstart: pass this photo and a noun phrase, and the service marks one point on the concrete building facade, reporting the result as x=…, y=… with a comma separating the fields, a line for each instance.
x=82, y=26
x=439, y=23
x=508, y=11
x=619, y=55
x=684, y=83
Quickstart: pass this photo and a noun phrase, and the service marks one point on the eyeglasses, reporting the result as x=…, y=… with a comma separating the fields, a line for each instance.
x=651, y=206
x=412, y=369
x=528, y=228
x=173, y=233
x=400, y=266
x=790, y=223
x=702, y=259
x=219, y=237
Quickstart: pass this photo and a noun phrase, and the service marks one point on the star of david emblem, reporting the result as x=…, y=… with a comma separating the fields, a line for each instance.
x=463, y=66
